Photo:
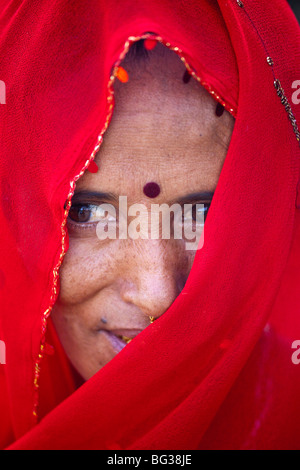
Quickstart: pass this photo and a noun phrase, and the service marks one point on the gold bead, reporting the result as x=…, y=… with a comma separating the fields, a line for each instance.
x=126, y=339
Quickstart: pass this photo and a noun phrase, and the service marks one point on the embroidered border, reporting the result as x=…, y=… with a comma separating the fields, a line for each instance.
x=277, y=84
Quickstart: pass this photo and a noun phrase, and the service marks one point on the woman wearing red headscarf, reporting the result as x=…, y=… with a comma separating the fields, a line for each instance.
x=137, y=343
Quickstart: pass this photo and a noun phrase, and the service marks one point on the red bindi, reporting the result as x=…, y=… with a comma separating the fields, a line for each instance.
x=151, y=190
x=150, y=44
x=93, y=167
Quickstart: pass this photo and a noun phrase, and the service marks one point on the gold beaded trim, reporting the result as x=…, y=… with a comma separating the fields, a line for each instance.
x=55, y=274
x=110, y=104
x=277, y=84
x=286, y=104
x=206, y=85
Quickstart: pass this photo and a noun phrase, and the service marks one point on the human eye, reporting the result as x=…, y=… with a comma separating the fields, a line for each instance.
x=83, y=218
x=82, y=213
x=90, y=213
x=196, y=213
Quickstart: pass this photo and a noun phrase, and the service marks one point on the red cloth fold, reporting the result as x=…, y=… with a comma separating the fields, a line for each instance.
x=204, y=375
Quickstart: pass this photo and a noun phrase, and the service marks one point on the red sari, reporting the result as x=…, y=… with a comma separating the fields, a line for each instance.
x=215, y=371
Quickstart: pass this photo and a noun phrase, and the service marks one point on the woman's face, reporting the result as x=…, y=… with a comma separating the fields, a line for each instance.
x=164, y=131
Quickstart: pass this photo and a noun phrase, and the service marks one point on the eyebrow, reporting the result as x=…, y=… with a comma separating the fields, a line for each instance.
x=95, y=196
x=199, y=196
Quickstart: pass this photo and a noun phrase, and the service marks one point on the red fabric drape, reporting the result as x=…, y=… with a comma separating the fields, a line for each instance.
x=204, y=375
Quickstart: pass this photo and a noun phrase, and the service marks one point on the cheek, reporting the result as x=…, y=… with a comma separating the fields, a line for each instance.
x=190, y=257
x=89, y=267
x=86, y=269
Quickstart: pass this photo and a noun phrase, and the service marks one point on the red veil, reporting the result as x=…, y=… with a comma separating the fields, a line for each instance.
x=208, y=373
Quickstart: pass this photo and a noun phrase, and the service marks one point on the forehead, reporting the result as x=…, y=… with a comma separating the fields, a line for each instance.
x=156, y=89
x=162, y=128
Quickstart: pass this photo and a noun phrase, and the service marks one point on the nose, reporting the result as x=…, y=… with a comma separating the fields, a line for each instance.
x=155, y=276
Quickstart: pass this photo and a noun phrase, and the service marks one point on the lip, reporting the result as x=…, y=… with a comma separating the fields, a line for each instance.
x=116, y=338
x=128, y=333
